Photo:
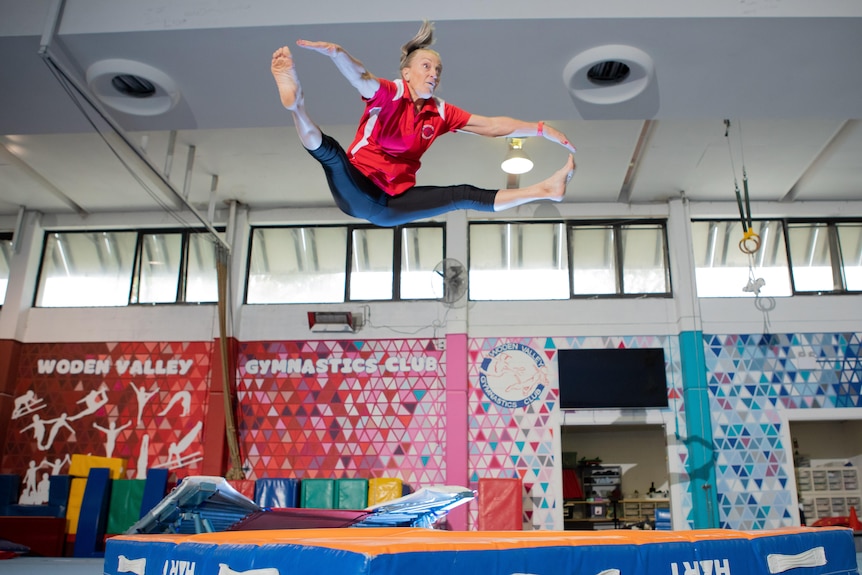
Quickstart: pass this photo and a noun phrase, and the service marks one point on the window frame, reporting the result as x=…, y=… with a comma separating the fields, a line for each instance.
x=836, y=255
x=569, y=226
x=7, y=237
x=350, y=229
x=619, y=255
x=134, y=271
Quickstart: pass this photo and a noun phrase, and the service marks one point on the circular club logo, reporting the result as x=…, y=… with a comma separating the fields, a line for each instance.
x=513, y=375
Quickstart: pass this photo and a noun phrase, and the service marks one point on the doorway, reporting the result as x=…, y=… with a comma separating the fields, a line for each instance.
x=827, y=456
x=635, y=453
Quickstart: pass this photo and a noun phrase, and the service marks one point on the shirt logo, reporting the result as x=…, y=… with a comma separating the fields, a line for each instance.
x=427, y=132
x=514, y=375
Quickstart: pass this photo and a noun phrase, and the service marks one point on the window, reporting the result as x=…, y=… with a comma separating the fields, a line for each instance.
x=619, y=259
x=5, y=264
x=850, y=239
x=332, y=264
x=201, y=268
x=722, y=269
x=371, y=264
x=594, y=269
x=176, y=267
x=86, y=269
x=159, y=268
x=810, y=257
x=116, y=268
x=518, y=261
x=297, y=265
x=644, y=259
x=825, y=256
x=421, y=251
x=547, y=261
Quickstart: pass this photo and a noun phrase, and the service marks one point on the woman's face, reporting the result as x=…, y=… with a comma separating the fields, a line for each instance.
x=422, y=73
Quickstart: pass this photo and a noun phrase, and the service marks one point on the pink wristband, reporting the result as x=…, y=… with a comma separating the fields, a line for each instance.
x=540, y=129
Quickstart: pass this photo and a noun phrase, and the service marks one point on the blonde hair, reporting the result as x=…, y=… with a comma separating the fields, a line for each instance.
x=421, y=41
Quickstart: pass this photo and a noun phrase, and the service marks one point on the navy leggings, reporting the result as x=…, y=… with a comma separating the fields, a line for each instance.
x=359, y=197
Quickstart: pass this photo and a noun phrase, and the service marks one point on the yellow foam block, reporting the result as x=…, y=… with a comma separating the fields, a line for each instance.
x=81, y=465
x=382, y=489
x=73, y=509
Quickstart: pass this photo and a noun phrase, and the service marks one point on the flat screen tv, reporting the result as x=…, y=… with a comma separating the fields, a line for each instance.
x=612, y=378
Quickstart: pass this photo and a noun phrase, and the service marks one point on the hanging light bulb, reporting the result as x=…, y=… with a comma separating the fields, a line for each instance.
x=517, y=161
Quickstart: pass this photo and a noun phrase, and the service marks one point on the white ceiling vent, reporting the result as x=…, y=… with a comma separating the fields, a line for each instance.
x=608, y=75
x=132, y=87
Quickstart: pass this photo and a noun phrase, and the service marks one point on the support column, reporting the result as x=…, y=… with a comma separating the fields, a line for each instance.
x=698, y=422
x=457, y=401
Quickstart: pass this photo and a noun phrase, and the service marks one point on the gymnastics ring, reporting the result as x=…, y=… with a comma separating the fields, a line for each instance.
x=748, y=240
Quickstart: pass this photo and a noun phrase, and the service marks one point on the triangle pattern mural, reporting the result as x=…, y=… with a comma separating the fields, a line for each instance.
x=514, y=415
x=751, y=379
x=341, y=409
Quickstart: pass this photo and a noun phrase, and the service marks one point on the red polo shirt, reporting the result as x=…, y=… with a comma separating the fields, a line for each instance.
x=391, y=137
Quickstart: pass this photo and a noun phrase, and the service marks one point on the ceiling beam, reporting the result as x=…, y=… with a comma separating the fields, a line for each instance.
x=8, y=152
x=838, y=139
x=647, y=129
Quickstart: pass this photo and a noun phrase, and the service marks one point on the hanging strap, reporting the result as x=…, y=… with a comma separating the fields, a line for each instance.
x=750, y=241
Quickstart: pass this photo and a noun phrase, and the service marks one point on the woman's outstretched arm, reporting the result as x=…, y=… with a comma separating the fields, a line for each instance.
x=351, y=68
x=503, y=126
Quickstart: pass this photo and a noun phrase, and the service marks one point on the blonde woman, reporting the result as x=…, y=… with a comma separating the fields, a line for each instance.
x=375, y=178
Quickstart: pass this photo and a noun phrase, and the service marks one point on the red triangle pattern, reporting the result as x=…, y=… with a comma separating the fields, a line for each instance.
x=331, y=423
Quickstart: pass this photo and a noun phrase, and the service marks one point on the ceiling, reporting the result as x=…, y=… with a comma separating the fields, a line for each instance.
x=786, y=73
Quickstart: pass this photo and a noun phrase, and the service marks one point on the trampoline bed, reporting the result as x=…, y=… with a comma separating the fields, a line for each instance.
x=420, y=551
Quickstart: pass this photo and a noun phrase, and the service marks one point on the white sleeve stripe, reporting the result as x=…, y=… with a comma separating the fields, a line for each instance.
x=441, y=107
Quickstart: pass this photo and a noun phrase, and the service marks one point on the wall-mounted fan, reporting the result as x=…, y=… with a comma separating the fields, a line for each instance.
x=454, y=284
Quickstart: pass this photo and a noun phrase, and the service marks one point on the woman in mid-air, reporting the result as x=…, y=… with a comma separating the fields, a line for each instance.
x=375, y=179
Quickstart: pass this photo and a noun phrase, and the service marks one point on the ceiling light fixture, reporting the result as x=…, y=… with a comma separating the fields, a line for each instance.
x=517, y=161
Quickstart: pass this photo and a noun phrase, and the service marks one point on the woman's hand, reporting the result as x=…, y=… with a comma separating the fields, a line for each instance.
x=554, y=135
x=327, y=48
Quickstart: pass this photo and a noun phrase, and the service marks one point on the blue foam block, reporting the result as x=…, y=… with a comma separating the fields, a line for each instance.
x=94, y=514
x=277, y=492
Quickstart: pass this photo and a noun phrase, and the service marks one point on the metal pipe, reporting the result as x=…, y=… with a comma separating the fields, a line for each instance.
x=139, y=157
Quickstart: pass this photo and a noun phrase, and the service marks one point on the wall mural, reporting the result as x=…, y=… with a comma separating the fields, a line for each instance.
x=343, y=409
x=752, y=378
x=514, y=415
x=142, y=402
x=377, y=408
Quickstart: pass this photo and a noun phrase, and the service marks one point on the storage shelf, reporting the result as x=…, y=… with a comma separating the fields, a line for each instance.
x=828, y=491
x=601, y=480
x=640, y=509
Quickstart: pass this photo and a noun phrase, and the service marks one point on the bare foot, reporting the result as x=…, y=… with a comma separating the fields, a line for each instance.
x=554, y=188
x=284, y=73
